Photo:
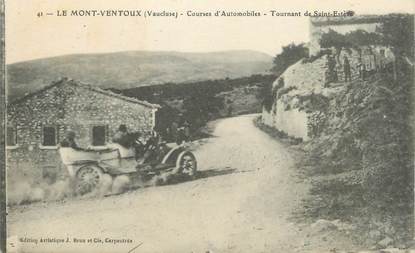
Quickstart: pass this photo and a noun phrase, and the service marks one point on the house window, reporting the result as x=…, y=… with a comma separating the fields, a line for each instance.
x=99, y=134
x=49, y=136
x=11, y=140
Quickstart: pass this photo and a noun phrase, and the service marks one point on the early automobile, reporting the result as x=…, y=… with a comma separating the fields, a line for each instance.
x=146, y=161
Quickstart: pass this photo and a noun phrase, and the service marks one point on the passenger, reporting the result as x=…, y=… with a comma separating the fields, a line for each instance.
x=122, y=137
x=69, y=141
x=332, y=68
x=173, y=131
x=362, y=70
x=186, y=131
x=151, y=146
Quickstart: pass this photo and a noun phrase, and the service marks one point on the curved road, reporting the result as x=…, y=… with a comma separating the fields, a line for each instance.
x=242, y=202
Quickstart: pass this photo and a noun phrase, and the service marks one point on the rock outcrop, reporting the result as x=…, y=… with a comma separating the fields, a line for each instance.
x=290, y=90
x=301, y=90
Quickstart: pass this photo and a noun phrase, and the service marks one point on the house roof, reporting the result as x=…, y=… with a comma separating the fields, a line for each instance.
x=346, y=20
x=66, y=81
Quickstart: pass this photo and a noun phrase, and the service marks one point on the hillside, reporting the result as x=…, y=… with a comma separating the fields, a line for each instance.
x=124, y=70
x=200, y=102
x=361, y=159
x=358, y=145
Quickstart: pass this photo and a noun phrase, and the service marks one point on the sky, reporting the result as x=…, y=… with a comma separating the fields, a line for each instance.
x=31, y=37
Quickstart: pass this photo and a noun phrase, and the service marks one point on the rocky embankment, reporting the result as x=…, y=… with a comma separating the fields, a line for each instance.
x=361, y=153
x=358, y=151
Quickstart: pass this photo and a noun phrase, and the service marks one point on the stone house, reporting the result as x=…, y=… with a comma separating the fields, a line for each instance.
x=37, y=122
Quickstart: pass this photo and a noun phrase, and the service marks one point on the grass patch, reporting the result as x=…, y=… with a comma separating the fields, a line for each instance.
x=275, y=133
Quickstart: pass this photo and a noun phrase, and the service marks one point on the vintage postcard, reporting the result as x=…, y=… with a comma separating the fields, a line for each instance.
x=207, y=126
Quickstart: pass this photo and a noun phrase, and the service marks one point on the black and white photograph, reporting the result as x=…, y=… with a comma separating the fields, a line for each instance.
x=208, y=126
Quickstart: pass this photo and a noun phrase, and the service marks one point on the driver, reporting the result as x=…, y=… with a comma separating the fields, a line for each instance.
x=151, y=146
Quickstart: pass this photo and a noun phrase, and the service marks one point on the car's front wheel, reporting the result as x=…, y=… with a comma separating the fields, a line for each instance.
x=88, y=179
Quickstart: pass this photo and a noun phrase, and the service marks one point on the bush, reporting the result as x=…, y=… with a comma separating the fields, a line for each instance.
x=267, y=97
x=353, y=39
x=317, y=56
x=285, y=90
x=396, y=30
x=290, y=54
x=275, y=133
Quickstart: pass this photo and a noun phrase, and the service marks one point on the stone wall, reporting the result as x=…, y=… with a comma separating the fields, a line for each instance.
x=67, y=106
x=292, y=121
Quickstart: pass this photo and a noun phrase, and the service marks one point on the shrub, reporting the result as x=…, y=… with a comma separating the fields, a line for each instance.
x=285, y=90
x=290, y=54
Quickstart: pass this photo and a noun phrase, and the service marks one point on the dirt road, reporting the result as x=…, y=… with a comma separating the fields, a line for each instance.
x=242, y=202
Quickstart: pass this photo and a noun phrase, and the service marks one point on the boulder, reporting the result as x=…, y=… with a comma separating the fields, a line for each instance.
x=323, y=225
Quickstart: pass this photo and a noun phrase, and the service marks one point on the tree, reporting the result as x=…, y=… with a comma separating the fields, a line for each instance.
x=363, y=38
x=354, y=39
x=201, y=105
x=290, y=54
x=398, y=32
x=267, y=96
x=333, y=39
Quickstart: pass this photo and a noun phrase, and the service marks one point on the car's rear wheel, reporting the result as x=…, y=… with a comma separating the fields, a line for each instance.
x=186, y=164
x=88, y=179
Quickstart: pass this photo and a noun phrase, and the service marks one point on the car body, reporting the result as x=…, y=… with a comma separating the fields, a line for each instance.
x=87, y=167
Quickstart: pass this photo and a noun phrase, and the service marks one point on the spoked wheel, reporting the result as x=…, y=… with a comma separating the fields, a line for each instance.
x=88, y=179
x=186, y=164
